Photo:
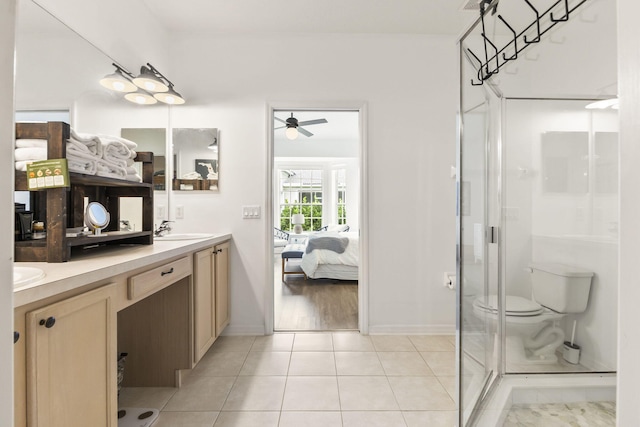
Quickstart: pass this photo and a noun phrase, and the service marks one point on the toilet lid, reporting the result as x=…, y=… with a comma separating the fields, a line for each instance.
x=516, y=306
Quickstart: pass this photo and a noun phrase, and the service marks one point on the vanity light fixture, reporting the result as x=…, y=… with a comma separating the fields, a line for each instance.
x=603, y=104
x=149, y=80
x=140, y=97
x=169, y=97
x=148, y=88
x=120, y=80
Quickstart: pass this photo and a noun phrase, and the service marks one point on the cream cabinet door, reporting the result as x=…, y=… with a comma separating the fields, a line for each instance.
x=222, y=286
x=71, y=362
x=204, y=305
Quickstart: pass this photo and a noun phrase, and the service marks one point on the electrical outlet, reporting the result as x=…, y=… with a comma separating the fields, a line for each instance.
x=160, y=212
x=251, y=212
x=179, y=212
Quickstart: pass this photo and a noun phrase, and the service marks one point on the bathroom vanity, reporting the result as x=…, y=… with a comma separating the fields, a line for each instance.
x=163, y=304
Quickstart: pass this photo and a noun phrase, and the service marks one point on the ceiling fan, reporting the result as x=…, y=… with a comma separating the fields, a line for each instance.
x=294, y=126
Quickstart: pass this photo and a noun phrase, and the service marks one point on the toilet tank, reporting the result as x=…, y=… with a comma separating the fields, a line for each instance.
x=561, y=287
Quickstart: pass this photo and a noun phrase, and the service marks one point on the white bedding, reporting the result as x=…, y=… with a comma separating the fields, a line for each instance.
x=319, y=262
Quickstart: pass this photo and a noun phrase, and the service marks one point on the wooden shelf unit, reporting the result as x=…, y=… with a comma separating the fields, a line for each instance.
x=64, y=207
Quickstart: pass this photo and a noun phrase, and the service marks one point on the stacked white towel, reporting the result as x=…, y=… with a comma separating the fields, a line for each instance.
x=103, y=155
x=28, y=151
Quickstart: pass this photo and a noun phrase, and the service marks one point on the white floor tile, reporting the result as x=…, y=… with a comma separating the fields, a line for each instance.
x=373, y=419
x=220, y=364
x=201, y=394
x=366, y=393
x=275, y=342
x=392, y=343
x=256, y=393
x=313, y=342
x=430, y=418
x=351, y=341
x=186, y=419
x=432, y=343
x=310, y=419
x=312, y=363
x=421, y=394
x=145, y=397
x=266, y=363
x=311, y=394
x=442, y=363
x=403, y=363
x=358, y=363
x=234, y=343
x=248, y=419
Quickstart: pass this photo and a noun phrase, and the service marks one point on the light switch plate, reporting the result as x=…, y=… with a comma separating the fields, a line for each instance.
x=179, y=212
x=251, y=212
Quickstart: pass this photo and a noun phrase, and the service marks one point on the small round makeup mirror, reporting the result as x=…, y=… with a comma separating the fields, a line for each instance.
x=96, y=217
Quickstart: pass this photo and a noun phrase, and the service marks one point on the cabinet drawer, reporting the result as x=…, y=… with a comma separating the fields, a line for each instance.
x=153, y=280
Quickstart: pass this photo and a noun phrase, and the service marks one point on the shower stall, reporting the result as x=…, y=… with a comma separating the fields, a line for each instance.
x=537, y=190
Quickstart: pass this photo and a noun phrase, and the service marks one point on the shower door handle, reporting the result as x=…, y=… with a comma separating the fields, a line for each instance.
x=492, y=234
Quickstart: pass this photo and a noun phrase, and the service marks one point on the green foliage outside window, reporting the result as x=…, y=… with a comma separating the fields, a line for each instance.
x=312, y=215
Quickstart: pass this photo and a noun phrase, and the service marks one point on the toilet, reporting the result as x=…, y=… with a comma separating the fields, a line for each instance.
x=532, y=331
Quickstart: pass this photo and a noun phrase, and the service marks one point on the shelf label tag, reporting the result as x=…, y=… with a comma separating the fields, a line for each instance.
x=45, y=174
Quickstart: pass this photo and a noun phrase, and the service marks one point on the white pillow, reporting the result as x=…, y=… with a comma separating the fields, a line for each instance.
x=338, y=228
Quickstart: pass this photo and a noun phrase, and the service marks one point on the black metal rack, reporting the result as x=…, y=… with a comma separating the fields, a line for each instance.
x=494, y=61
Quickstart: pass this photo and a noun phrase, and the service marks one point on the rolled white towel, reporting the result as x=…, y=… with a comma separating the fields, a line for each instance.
x=31, y=153
x=106, y=139
x=26, y=143
x=117, y=152
x=81, y=165
x=91, y=141
x=133, y=177
x=22, y=165
x=110, y=170
x=79, y=149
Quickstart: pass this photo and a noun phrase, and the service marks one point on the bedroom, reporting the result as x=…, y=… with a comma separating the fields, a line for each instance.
x=316, y=199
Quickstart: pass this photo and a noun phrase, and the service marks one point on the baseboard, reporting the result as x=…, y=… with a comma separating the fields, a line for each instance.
x=240, y=330
x=412, y=330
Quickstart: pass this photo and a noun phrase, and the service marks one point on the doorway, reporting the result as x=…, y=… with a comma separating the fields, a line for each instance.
x=316, y=198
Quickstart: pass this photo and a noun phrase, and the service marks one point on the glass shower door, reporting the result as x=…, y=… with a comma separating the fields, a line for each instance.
x=477, y=257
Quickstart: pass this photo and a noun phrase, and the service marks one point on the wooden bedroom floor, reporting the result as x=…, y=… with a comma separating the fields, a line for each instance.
x=314, y=304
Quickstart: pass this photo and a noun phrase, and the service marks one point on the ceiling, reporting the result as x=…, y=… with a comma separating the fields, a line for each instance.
x=313, y=16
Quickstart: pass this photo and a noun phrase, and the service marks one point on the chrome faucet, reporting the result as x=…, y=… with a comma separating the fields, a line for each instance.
x=163, y=229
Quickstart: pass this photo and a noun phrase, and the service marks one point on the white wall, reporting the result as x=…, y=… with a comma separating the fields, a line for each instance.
x=7, y=28
x=628, y=411
x=411, y=146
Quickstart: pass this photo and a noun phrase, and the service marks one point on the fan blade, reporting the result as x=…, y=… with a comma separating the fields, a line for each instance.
x=279, y=127
x=304, y=131
x=312, y=122
x=279, y=119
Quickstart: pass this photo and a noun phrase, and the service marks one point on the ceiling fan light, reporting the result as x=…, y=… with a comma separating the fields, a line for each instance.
x=291, y=132
x=118, y=82
x=140, y=98
x=148, y=81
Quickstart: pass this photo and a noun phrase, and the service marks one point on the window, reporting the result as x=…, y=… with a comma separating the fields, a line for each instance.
x=301, y=192
x=341, y=184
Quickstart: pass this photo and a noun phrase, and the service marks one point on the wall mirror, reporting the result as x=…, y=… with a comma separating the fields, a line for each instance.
x=195, y=156
x=57, y=78
x=565, y=162
x=196, y=159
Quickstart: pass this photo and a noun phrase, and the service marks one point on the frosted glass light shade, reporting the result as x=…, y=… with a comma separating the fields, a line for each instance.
x=149, y=82
x=291, y=133
x=118, y=82
x=140, y=98
x=169, y=97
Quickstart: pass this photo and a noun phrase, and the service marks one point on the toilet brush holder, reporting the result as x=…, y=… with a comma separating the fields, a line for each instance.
x=571, y=353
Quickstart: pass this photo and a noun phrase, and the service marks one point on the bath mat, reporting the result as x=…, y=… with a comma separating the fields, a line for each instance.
x=137, y=417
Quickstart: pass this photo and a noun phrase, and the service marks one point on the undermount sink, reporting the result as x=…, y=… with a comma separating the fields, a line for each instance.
x=26, y=275
x=184, y=236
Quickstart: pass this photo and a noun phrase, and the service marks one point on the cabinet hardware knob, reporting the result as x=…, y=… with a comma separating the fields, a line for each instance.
x=48, y=323
x=164, y=273
x=16, y=336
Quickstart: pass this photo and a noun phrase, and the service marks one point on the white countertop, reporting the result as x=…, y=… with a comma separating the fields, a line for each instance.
x=102, y=264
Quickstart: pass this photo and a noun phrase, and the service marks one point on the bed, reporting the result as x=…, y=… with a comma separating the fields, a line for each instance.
x=331, y=255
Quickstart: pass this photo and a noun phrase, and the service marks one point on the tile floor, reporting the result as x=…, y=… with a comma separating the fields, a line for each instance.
x=312, y=379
